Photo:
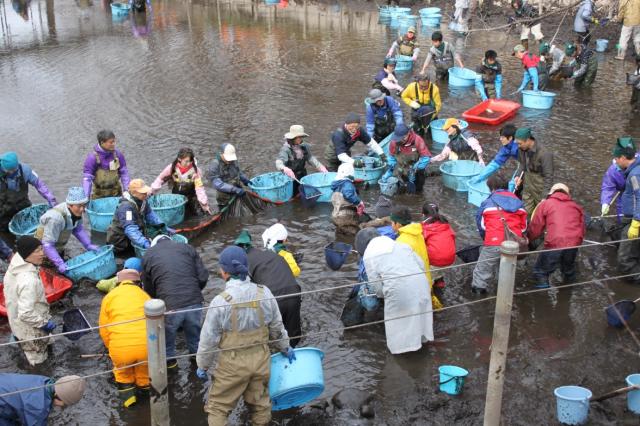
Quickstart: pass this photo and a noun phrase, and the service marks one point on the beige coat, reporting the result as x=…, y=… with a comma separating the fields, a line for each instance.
x=629, y=12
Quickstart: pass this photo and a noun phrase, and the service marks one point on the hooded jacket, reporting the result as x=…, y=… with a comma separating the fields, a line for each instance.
x=500, y=204
x=91, y=166
x=441, y=243
x=563, y=220
x=26, y=408
x=411, y=235
x=347, y=189
x=631, y=195
x=125, y=302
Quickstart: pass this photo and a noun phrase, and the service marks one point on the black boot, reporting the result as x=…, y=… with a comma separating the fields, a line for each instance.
x=127, y=394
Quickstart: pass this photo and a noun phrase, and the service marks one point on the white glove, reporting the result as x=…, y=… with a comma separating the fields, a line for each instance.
x=414, y=105
x=287, y=171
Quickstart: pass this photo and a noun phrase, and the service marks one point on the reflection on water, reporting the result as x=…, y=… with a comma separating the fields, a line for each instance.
x=203, y=73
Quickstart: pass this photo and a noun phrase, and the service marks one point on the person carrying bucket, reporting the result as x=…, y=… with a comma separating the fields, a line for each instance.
x=443, y=54
x=383, y=114
x=344, y=138
x=131, y=219
x=509, y=149
x=489, y=76
x=406, y=45
x=524, y=10
x=27, y=307
x=423, y=97
x=408, y=159
x=15, y=178
x=584, y=62
x=274, y=239
x=184, y=178
x=530, y=64
x=240, y=322
x=462, y=144
x=57, y=225
x=386, y=80
x=536, y=164
x=347, y=205
x=295, y=154
x=105, y=172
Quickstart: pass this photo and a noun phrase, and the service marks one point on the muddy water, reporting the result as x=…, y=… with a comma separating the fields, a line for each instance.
x=203, y=73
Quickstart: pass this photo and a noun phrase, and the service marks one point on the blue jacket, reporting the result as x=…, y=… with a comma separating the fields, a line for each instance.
x=5, y=250
x=631, y=195
x=508, y=150
x=129, y=217
x=348, y=190
x=374, y=111
x=27, y=408
x=343, y=142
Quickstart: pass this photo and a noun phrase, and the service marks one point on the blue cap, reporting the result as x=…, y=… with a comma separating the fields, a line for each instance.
x=233, y=260
x=133, y=263
x=76, y=195
x=400, y=132
x=8, y=161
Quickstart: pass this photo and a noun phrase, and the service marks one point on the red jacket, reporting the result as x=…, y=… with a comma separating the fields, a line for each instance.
x=500, y=204
x=529, y=60
x=563, y=219
x=441, y=243
x=414, y=143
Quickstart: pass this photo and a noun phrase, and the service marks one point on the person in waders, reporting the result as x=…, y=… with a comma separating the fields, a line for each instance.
x=184, y=178
x=536, y=162
x=226, y=177
x=295, y=154
x=383, y=114
x=523, y=10
x=105, y=172
x=530, y=64
x=443, y=54
x=423, y=97
x=274, y=238
x=386, y=80
x=551, y=60
x=347, y=205
x=489, y=76
x=405, y=45
x=462, y=145
x=57, y=225
x=344, y=138
x=15, y=178
x=408, y=159
x=509, y=149
x=584, y=63
x=240, y=322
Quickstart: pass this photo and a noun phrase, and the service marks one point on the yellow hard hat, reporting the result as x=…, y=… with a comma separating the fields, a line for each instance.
x=450, y=122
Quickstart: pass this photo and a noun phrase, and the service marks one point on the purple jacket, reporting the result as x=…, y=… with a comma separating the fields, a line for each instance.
x=612, y=182
x=91, y=167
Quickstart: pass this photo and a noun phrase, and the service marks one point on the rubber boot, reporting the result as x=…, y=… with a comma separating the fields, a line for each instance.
x=620, y=54
x=525, y=43
x=127, y=394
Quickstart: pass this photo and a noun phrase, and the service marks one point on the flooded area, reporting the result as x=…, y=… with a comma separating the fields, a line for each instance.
x=201, y=73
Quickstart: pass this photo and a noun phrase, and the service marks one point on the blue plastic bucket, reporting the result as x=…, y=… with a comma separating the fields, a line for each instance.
x=272, y=2
x=441, y=136
x=101, y=211
x=96, y=266
x=397, y=11
x=452, y=379
x=456, y=174
x=404, y=63
x=275, y=186
x=168, y=207
x=427, y=11
x=336, y=253
x=478, y=192
x=370, y=174
x=389, y=187
x=601, y=44
x=431, y=21
x=537, y=99
x=295, y=383
x=322, y=182
x=384, y=11
x=26, y=221
x=572, y=404
x=461, y=77
x=408, y=20
x=633, y=397
x=120, y=8
x=175, y=237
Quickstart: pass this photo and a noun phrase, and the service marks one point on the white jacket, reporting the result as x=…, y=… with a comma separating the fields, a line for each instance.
x=27, y=306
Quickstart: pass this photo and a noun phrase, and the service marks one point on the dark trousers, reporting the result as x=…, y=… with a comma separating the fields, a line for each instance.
x=549, y=261
x=290, y=311
x=629, y=255
x=584, y=37
x=190, y=323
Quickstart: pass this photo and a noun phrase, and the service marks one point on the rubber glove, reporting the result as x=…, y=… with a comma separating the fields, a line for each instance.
x=604, y=210
x=358, y=163
x=533, y=72
x=202, y=374
x=411, y=184
x=206, y=208
x=490, y=169
x=387, y=175
x=634, y=229
x=239, y=191
x=287, y=171
x=414, y=105
x=48, y=327
x=322, y=169
x=93, y=247
x=511, y=186
x=480, y=88
x=290, y=354
x=603, y=22
x=498, y=86
x=360, y=208
x=595, y=20
x=53, y=255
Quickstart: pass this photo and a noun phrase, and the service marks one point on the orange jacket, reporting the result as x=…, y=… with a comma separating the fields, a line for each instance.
x=125, y=302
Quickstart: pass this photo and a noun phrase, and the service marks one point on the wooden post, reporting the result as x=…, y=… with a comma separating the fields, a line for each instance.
x=157, y=358
x=501, y=325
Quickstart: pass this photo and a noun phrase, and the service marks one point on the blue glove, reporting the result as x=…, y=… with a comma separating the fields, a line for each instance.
x=480, y=88
x=244, y=180
x=202, y=374
x=387, y=175
x=498, y=86
x=512, y=185
x=48, y=327
x=290, y=354
x=533, y=72
x=490, y=169
x=239, y=191
x=93, y=247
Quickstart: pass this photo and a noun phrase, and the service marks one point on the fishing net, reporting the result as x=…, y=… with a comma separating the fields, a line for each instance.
x=74, y=320
x=620, y=312
x=469, y=254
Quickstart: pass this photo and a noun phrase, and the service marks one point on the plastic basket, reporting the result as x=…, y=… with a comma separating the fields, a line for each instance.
x=101, y=211
x=456, y=174
x=370, y=173
x=295, y=383
x=478, y=192
x=274, y=186
x=389, y=187
x=26, y=221
x=537, y=99
x=175, y=237
x=168, y=207
x=322, y=182
x=96, y=265
x=441, y=136
x=572, y=404
x=404, y=63
x=461, y=77
x=431, y=20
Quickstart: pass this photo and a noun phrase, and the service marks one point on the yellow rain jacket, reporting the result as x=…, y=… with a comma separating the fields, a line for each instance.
x=125, y=302
x=413, y=93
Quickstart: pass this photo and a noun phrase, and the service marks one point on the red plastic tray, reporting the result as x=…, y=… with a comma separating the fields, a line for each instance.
x=502, y=110
x=55, y=286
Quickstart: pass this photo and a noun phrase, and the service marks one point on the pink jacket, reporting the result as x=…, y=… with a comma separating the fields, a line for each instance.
x=473, y=143
x=166, y=175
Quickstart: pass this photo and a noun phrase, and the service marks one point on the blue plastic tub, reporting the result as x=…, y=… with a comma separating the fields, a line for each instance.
x=397, y=11
x=461, y=77
x=633, y=397
x=408, y=20
x=370, y=173
x=336, y=253
x=431, y=20
x=272, y=2
x=537, y=99
x=427, y=11
x=296, y=383
x=322, y=182
x=101, y=212
x=572, y=404
x=168, y=207
x=175, y=237
x=404, y=63
x=120, y=8
x=96, y=266
x=452, y=379
x=26, y=221
x=478, y=192
x=384, y=11
x=275, y=186
x=439, y=135
x=389, y=187
x=601, y=44
x=456, y=174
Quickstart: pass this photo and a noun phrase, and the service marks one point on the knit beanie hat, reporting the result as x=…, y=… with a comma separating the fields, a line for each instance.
x=76, y=195
x=128, y=275
x=69, y=389
x=27, y=245
x=233, y=260
x=351, y=118
x=8, y=161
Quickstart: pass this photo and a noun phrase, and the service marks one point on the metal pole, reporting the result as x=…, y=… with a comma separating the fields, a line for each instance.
x=500, y=341
x=157, y=357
